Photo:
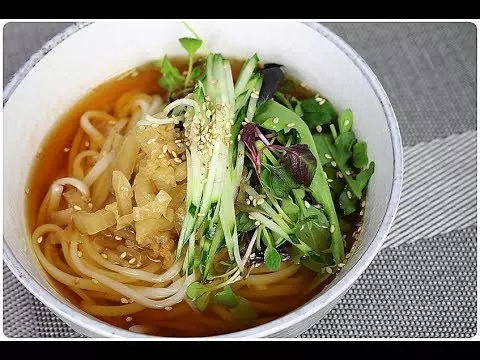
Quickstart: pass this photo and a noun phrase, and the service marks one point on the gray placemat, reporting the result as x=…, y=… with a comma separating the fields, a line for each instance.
x=423, y=282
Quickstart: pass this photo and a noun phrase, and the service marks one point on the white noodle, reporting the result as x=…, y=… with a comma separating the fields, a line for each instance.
x=56, y=191
x=78, y=160
x=80, y=185
x=135, y=273
x=159, y=293
x=98, y=169
x=91, y=130
x=156, y=105
x=124, y=289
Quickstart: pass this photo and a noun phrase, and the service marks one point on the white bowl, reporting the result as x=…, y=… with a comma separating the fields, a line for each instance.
x=84, y=56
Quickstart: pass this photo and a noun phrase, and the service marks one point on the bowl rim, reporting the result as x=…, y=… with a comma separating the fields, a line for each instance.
x=102, y=329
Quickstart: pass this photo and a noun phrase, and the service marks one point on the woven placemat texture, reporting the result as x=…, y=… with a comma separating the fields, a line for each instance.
x=423, y=282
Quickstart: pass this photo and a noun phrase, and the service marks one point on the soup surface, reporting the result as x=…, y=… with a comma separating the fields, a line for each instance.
x=114, y=104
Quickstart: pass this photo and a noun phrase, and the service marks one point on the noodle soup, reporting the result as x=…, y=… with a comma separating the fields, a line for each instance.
x=116, y=223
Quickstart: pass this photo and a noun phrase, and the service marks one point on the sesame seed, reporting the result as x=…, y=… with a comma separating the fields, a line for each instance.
x=174, y=153
x=348, y=255
x=122, y=255
x=239, y=137
x=339, y=174
x=87, y=143
x=291, y=125
x=248, y=201
x=79, y=254
x=177, y=160
x=40, y=239
x=27, y=190
x=325, y=175
x=334, y=164
x=320, y=100
x=257, y=223
x=319, y=128
x=361, y=212
x=346, y=123
x=359, y=229
x=201, y=214
x=260, y=201
x=329, y=180
x=251, y=217
x=118, y=237
x=66, y=149
x=76, y=207
x=250, y=197
x=328, y=156
x=254, y=95
x=95, y=281
x=349, y=194
x=90, y=205
x=364, y=203
x=132, y=260
x=165, y=148
x=124, y=300
x=254, y=202
x=307, y=204
x=328, y=270
x=104, y=256
x=150, y=141
x=347, y=172
x=168, y=308
x=276, y=120
x=128, y=319
x=340, y=265
x=332, y=228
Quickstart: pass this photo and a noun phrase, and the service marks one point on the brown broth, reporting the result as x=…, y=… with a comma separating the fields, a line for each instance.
x=51, y=163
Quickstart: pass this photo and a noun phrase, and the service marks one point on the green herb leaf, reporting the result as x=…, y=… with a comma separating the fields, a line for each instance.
x=360, y=157
x=282, y=99
x=196, y=290
x=196, y=73
x=272, y=258
x=298, y=109
x=345, y=121
x=226, y=297
x=321, y=143
x=244, y=312
x=343, y=148
x=313, y=228
x=291, y=209
x=191, y=45
x=362, y=178
x=337, y=184
x=202, y=301
x=281, y=180
x=171, y=79
x=264, y=116
x=244, y=223
x=200, y=294
x=315, y=114
x=347, y=204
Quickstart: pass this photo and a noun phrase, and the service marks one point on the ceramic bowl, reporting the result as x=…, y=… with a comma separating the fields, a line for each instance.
x=84, y=56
